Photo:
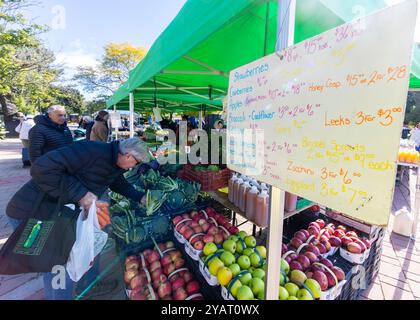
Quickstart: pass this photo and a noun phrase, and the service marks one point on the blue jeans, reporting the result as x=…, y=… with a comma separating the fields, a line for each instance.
x=67, y=293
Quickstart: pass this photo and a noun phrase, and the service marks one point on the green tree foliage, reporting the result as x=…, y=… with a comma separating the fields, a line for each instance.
x=112, y=70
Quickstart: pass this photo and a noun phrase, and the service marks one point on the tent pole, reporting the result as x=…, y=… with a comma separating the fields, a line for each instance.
x=131, y=115
x=200, y=125
x=275, y=233
x=116, y=129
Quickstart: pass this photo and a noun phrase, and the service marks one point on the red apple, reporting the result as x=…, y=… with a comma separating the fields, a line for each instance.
x=301, y=236
x=311, y=256
x=314, y=231
x=306, y=233
x=188, y=234
x=331, y=280
x=309, y=274
x=339, y=233
x=322, y=279
x=177, y=220
x=339, y=273
x=187, y=276
x=218, y=238
x=186, y=216
x=161, y=280
x=182, y=228
x=233, y=230
x=153, y=257
x=208, y=239
x=193, y=287
x=361, y=244
x=353, y=247
x=322, y=249
x=130, y=258
x=367, y=243
x=129, y=275
x=295, y=265
x=199, y=245
x=345, y=241
x=213, y=230
x=168, y=269
x=296, y=243
x=179, y=263
x=314, y=249
x=321, y=223
x=154, y=266
x=316, y=225
x=175, y=255
x=164, y=290
x=326, y=244
x=205, y=227
x=158, y=273
x=335, y=242
x=133, y=264
x=304, y=261
x=166, y=260
x=352, y=234
x=198, y=229
x=342, y=228
x=180, y=294
x=138, y=281
x=326, y=262
x=330, y=225
x=178, y=283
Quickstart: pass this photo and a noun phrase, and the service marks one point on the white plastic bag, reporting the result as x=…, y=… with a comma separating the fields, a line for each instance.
x=90, y=241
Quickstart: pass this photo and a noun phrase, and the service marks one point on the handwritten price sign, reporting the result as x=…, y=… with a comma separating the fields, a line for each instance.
x=330, y=111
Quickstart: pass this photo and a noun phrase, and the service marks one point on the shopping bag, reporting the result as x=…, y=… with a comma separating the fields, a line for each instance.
x=90, y=241
x=41, y=242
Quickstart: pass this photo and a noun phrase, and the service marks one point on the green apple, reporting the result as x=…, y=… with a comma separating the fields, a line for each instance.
x=209, y=249
x=230, y=245
x=285, y=266
x=242, y=235
x=244, y=262
x=261, y=295
x=255, y=260
x=240, y=247
x=293, y=298
x=282, y=280
x=248, y=252
x=256, y=285
x=233, y=238
x=245, y=293
x=304, y=294
x=283, y=293
x=259, y=273
x=262, y=251
x=235, y=268
x=315, y=288
x=235, y=287
x=245, y=279
x=298, y=277
x=227, y=258
x=292, y=289
x=250, y=242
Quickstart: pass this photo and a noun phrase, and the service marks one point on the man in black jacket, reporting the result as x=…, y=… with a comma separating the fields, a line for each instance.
x=49, y=133
x=87, y=168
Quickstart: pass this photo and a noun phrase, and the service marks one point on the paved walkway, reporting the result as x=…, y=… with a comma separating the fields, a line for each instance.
x=13, y=177
x=399, y=275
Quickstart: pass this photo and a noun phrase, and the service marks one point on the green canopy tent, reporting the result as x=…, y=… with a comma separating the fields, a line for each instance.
x=208, y=39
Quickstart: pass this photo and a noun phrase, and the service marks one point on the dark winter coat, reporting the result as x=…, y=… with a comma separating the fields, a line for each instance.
x=46, y=136
x=88, y=128
x=85, y=166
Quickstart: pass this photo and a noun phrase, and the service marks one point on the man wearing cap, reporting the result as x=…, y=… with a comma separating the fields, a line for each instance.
x=87, y=169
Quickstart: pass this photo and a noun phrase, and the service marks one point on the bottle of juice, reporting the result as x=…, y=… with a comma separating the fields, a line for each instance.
x=261, y=209
x=251, y=200
x=291, y=202
x=230, y=187
x=243, y=190
x=236, y=187
x=254, y=183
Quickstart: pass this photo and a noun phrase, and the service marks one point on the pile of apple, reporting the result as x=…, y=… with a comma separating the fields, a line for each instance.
x=238, y=265
x=159, y=274
x=200, y=228
x=327, y=237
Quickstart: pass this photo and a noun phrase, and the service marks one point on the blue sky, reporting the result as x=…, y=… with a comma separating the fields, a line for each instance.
x=81, y=28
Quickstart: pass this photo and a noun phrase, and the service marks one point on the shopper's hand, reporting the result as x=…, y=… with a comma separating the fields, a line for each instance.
x=86, y=202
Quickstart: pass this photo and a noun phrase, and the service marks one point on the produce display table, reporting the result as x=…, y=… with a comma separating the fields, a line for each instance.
x=223, y=199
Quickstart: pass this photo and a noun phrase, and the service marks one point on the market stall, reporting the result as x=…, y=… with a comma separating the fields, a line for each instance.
x=205, y=239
